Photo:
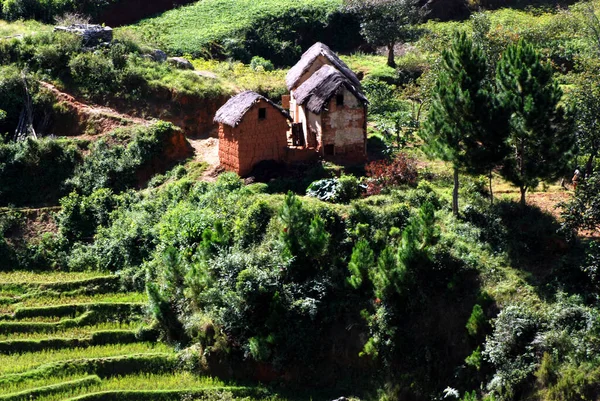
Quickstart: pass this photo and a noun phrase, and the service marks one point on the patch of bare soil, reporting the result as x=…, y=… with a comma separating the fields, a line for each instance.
x=90, y=120
x=549, y=201
x=38, y=222
x=207, y=151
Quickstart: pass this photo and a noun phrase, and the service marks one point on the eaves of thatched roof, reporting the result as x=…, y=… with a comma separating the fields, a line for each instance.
x=316, y=92
x=232, y=112
x=308, y=58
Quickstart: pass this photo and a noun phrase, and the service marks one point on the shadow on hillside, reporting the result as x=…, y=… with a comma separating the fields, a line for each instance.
x=534, y=244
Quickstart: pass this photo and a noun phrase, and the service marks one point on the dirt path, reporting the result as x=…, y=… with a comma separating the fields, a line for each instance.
x=207, y=151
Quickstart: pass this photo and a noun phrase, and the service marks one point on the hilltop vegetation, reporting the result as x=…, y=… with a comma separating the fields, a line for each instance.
x=276, y=30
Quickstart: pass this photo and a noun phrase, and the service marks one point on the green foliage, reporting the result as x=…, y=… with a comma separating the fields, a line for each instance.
x=251, y=228
x=52, y=389
x=242, y=29
x=163, y=299
x=583, y=211
x=475, y=359
x=361, y=263
x=476, y=321
x=522, y=336
x=33, y=172
x=80, y=215
x=115, y=167
x=336, y=190
x=585, y=105
x=258, y=63
x=117, y=72
x=303, y=237
x=385, y=22
x=465, y=126
x=95, y=72
x=539, y=134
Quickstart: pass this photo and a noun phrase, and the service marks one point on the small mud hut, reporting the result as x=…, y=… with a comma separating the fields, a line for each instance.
x=333, y=114
x=251, y=129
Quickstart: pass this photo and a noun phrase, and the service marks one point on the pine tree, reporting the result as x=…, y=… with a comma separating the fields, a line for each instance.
x=539, y=138
x=361, y=262
x=466, y=126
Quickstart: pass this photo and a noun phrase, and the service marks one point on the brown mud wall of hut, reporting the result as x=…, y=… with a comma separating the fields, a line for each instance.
x=253, y=140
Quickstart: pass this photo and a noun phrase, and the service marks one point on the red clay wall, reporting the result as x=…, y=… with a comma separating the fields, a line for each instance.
x=253, y=140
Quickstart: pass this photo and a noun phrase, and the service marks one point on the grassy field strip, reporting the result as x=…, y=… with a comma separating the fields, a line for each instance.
x=88, y=318
x=103, y=367
x=156, y=387
x=22, y=28
x=22, y=362
x=37, y=392
x=80, y=299
x=25, y=277
x=95, y=339
x=73, y=309
x=73, y=332
x=215, y=393
x=43, y=382
x=31, y=300
x=35, y=319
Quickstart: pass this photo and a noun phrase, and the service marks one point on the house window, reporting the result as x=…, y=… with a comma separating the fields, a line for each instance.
x=329, y=150
x=339, y=100
x=262, y=113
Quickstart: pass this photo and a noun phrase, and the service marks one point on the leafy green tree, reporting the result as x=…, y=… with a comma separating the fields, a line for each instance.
x=385, y=22
x=466, y=124
x=585, y=103
x=539, y=137
x=583, y=210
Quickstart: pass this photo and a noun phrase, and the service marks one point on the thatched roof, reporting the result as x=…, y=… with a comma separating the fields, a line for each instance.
x=316, y=92
x=316, y=50
x=232, y=112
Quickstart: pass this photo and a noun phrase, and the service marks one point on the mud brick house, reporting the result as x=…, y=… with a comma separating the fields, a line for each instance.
x=333, y=114
x=327, y=119
x=251, y=129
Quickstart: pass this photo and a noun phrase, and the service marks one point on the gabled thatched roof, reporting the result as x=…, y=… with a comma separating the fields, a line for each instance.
x=316, y=50
x=316, y=92
x=232, y=112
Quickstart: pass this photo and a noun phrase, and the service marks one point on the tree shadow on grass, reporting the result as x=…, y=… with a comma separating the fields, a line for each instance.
x=534, y=244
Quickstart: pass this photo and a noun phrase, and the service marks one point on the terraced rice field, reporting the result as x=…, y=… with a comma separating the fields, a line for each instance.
x=79, y=336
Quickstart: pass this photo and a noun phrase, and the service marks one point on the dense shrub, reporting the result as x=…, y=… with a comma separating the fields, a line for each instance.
x=336, y=190
x=258, y=62
x=115, y=167
x=80, y=215
x=522, y=336
x=33, y=172
x=384, y=174
x=93, y=71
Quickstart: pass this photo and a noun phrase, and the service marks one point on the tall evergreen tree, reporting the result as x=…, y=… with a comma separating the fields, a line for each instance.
x=539, y=132
x=466, y=126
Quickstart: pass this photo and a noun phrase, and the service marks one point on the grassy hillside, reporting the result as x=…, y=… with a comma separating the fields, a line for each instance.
x=45, y=355
x=274, y=29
